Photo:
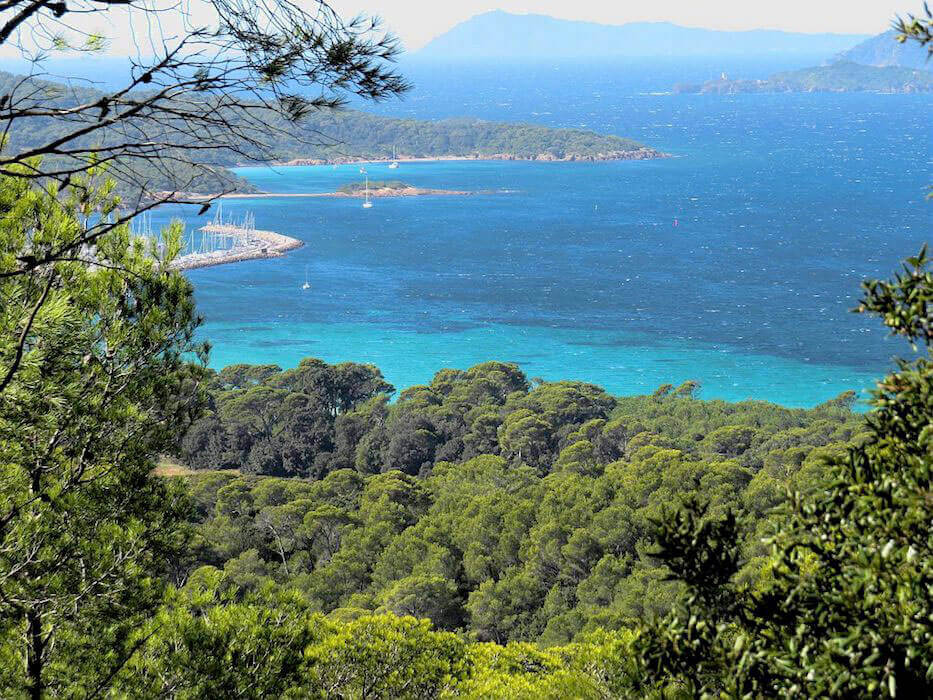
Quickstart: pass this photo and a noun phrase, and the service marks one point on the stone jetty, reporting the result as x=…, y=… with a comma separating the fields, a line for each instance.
x=250, y=244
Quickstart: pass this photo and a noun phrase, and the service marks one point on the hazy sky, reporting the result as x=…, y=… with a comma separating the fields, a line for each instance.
x=418, y=21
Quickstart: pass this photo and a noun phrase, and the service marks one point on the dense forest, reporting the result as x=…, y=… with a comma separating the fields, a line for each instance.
x=562, y=542
x=485, y=535
x=510, y=512
x=167, y=531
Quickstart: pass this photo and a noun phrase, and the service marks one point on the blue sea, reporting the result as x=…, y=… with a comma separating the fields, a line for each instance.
x=735, y=263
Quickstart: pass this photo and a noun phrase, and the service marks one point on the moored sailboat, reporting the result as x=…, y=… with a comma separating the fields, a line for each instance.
x=366, y=203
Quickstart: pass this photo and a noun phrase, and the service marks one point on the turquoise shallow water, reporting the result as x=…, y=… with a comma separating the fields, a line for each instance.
x=605, y=358
x=577, y=271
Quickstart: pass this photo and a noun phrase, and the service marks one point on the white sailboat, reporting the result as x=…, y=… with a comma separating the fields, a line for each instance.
x=366, y=203
x=307, y=284
x=394, y=164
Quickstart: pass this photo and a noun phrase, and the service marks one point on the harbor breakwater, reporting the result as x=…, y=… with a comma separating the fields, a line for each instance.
x=252, y=244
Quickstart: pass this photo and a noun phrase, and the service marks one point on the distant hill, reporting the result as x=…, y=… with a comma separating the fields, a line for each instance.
x=883, y=50
x=100, y=72
x=838, y=77
x=502, y=35
x=353, y=135
x=331, y=136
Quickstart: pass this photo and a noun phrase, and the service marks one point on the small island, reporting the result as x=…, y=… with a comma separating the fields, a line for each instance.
x=386, y=188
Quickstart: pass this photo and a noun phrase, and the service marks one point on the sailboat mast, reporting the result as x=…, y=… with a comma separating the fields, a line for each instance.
x=366, y=203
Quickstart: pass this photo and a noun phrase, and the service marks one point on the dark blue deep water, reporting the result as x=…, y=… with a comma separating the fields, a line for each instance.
x=783, y=204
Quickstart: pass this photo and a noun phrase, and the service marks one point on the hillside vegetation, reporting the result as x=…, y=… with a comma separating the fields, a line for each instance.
x=356, y=135
x=483, y=536
x=511, y=512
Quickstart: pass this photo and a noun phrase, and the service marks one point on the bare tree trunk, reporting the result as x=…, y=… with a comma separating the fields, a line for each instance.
x=34, y=653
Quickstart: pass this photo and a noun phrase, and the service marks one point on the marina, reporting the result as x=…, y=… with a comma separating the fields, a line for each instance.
x=254, y=244
x=226, y=241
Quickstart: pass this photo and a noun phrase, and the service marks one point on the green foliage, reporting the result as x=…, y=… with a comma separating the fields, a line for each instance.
x=204, y=643
x=385, y=657
x=846, y=608
x=917, y=28
x=268, y=421
x=93, y=386
x=491, y=507
x=904, y=303
x=523, y=671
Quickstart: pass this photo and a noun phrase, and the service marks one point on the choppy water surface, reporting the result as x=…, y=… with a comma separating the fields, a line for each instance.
x=734, y=263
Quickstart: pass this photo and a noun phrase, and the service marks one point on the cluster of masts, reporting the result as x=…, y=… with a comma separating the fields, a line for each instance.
x=226, y=233
x=246, y=223
x=223, y=233
x=141, y=227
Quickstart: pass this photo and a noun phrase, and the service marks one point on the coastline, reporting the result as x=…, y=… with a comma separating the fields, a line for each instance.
x=643, y=153
x=373, y=193
x=265, y=244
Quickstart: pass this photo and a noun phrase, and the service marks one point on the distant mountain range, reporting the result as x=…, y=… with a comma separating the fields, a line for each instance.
x=884, y=50
x=501, y=35
x=837, y=62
